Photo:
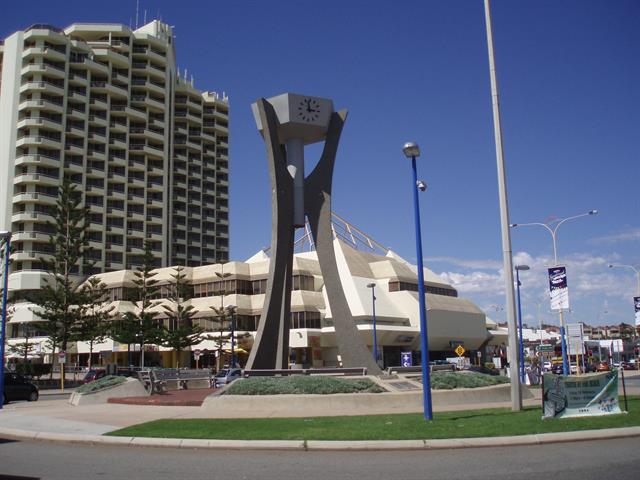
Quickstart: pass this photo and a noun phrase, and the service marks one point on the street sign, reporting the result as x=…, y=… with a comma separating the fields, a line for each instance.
x=196, y=354
x=407, y=359
x=62, y=357
x=460, y=350
x=545, y=348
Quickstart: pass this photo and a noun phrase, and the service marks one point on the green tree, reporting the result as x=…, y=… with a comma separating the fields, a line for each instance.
x=181, y=332
x=23, y=348
x=143, y=293
x=59, y=302
x=125, y=331
x=225, y=317
x=94, y=325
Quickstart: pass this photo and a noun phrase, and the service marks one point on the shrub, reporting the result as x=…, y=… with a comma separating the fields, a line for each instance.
x=300, y=385
x=103, y=383
x=490, y=365
x=451, y=380
x=33, y=369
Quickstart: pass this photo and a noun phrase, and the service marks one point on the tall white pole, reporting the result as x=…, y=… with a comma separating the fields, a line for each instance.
x=516, y=394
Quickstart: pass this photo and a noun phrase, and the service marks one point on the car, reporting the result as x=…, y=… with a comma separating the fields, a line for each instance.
x=16, y=387
x=546, y=366
x=94, y=374
x=226, y=376
x=603, y=367
x=557, y=369
x=627, y=366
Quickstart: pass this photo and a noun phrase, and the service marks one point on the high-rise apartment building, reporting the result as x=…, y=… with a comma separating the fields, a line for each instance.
x=106, y=107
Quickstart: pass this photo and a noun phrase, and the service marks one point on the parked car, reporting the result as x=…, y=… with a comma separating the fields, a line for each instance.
x=226, y=376
x=557, y=369
x=627, y=366
x=546, y=366
x=602, y=367
x=94, y=374
x=16, y=387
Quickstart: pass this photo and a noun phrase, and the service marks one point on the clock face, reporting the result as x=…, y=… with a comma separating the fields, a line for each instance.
x=308, y=110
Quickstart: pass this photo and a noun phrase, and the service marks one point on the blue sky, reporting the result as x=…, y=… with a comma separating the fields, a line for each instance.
x=568, y=74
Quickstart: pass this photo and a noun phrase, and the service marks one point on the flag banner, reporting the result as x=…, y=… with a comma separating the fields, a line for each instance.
x=558, y=288
x=587, y=395
x=636, y=302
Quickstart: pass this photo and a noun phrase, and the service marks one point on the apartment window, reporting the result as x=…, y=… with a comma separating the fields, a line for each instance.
x=306, y=320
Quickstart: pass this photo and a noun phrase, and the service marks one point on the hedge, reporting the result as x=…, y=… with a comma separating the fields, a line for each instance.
x=300, y=385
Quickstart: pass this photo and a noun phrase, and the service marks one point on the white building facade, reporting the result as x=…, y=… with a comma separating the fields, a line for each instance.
x=106, y=107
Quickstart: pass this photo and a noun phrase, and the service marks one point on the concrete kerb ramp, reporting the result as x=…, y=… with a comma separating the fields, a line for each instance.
x=130, y=388
x=281, y=406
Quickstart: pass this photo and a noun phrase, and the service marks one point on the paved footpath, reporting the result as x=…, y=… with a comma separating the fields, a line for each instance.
x=54, y=419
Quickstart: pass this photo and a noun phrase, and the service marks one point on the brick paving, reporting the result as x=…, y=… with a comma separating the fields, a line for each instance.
x=173, y=398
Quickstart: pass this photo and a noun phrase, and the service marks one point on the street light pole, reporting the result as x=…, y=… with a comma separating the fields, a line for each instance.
x=518, y=269
x=372, y=286
x=7, y=245
x=553, y=231
x=507, y=257
x=635, y=269
x=411, y=150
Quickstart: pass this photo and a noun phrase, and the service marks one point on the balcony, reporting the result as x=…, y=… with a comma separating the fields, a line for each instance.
x=31, y=197
x=41, y=104
x=36, y=178
x=42, y=68
x=42, y=87
x=38, y=141
x=39, y=122
x=38, y=159
x=116, y=58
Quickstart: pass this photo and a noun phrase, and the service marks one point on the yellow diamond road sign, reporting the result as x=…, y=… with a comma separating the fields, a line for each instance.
x=460, y=350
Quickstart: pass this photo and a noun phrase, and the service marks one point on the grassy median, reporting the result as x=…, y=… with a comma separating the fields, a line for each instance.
x=476, y=423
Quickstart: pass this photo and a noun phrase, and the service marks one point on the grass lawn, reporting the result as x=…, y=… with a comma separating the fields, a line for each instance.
x=477, y=423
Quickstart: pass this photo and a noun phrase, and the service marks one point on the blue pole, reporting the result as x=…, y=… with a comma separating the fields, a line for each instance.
x=520, y=327
x=424, y=344
x=375, y=338
x=565, y=359
x=4, y=314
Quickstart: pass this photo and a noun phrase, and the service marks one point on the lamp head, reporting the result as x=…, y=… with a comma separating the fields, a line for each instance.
x=593, y=212
x=421, y=185
x=371, y=285
x=610, y=265
x=411, y=150
x=513, y=225
x=522, y=267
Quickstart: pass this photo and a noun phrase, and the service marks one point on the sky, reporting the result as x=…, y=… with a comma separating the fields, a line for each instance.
x=568, y=78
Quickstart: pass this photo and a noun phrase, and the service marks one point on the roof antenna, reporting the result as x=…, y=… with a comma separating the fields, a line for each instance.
x=137, y=8
x=145, y=16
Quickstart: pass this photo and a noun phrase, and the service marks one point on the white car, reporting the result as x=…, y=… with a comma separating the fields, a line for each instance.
x=546, y=366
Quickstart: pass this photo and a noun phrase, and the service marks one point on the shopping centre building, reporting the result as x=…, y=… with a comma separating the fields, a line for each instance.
x=362, y=262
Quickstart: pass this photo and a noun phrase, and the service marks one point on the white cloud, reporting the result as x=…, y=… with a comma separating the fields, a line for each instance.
x=631, y=234
x=590, y=282
x=466, y=263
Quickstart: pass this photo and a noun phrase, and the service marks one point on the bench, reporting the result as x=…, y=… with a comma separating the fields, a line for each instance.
x=361, y=371
x=418, y=369
x=158, y=381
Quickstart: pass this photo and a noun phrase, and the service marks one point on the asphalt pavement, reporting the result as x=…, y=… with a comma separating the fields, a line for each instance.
x=54, y=419
x=590, y=460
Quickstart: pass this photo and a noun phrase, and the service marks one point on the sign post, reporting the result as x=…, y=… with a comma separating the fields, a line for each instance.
x=407, y=359
x=62, y=359
x=196, y=355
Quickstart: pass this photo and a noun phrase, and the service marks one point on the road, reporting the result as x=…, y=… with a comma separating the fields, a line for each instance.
x=579, y=460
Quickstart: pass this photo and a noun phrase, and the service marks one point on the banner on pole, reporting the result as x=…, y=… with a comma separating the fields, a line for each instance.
x=558, y=289
x=580, y=396
x=636, y=302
